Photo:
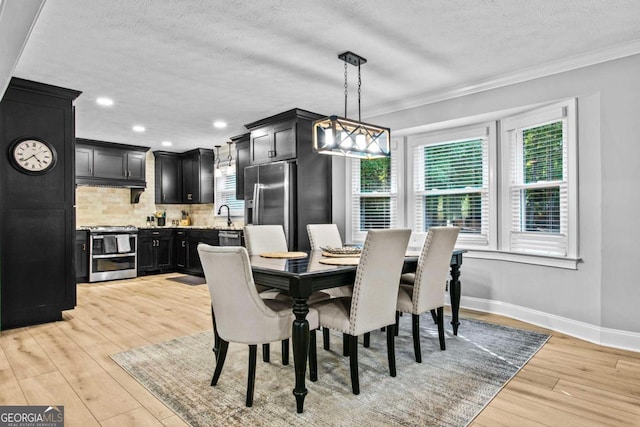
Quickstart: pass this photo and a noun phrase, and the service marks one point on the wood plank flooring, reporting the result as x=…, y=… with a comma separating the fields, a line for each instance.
x=569, y=382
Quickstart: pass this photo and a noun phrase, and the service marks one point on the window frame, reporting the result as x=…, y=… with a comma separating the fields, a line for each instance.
x=219, y=195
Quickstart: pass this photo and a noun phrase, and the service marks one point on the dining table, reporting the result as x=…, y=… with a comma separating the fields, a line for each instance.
x=300, y=277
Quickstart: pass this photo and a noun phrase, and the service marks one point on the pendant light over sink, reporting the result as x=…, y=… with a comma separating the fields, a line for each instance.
x=346, y=137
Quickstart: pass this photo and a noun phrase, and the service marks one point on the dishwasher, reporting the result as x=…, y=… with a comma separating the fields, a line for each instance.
x=230, y=238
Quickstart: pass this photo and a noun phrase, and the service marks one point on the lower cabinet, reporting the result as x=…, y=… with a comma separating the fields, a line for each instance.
x=187, y=258
x=81, y=256
x=155, y=251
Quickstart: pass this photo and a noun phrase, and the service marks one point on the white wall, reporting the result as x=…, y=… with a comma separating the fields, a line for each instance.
x=603, y=293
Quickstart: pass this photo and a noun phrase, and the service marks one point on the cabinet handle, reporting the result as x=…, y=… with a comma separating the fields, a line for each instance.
x=184, y=243
x=272, y=153
x=84, y=247
x=90, y=170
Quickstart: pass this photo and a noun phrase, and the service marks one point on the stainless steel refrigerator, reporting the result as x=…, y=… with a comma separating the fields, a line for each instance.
x=270, y=197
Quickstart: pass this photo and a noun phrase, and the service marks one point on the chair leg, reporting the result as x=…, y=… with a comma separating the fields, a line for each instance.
x=434, y=317
x=441, y=327
x=345, y=345
x=415, y=331
x=397, y=328
x=325, y=339
x=216, y=337
x=353, y=363
x=266, y=349
x=391, y=349
x=367, y=339
x=251, y=381
x=313, y=357
x=222, y=354
x=285, y=352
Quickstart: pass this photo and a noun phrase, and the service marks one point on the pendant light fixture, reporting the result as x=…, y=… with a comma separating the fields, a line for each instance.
x=218, y=172
x=345, y=137
x=231, y=166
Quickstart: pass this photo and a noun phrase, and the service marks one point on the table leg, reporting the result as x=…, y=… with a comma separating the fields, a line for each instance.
x=300, y=339
x=454, y=293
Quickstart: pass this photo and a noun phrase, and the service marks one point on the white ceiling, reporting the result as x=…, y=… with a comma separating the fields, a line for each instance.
x=175, y=66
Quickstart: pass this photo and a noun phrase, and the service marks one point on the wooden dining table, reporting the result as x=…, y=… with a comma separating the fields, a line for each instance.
x=300, y=277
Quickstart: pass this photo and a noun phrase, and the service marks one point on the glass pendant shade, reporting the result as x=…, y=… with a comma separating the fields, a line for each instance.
x=344, y=137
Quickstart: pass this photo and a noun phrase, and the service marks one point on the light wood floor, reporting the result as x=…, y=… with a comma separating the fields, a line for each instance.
x=569, y=382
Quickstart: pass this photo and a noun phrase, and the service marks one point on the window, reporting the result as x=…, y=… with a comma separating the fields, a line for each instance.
x=539, y=183
x=373, y=195
x=450, y=182
x=225, y=194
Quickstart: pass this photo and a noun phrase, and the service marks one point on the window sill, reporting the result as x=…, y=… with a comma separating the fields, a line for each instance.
x=541, y=260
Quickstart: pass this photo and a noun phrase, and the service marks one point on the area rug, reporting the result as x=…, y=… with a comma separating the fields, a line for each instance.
x=188, y=280
x=449, y=388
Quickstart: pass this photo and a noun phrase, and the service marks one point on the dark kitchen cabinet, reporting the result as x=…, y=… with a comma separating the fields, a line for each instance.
x=184, y=178
x=187, y=257
x=37, y=217
x=107, y=163
x=243, y=159
x=82, y=256
x=271, y=142
x=168, y=176
x=155, y=251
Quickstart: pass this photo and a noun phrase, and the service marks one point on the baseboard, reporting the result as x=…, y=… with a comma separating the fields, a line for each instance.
x=598, y=335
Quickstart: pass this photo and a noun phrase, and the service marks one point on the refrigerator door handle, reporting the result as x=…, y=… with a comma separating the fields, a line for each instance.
x=256, y=204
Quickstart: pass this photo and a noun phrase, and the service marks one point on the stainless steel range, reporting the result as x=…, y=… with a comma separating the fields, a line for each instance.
x=112, y=252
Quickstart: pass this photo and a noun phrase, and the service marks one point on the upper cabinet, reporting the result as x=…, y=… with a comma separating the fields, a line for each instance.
x=279, y=137
x=184, y=177
x=107, y=163
x=243, y=159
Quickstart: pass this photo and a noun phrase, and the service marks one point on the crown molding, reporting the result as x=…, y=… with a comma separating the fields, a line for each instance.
x=586, y=59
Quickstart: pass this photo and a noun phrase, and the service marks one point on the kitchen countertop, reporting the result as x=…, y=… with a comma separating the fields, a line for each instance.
x=185, y=227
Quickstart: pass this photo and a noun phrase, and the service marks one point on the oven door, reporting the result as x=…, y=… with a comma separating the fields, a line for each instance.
x=105, y=265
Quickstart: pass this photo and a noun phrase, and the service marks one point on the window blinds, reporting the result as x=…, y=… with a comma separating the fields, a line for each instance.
x=225, y=194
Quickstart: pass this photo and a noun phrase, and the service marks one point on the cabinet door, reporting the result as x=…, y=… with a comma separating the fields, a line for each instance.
x=136, y=163
x=146, y=254
x=242, y=161
x=164, y=252
x=284, y=141
x=109, y=164
x=81, y=257
x=84, y=162
x=193, y=259
x=260, y=146
x=190, y=180
x=168, y=182
x=181, y=251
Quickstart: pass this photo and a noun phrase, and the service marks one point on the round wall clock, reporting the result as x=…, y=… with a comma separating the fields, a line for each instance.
x=33, y=156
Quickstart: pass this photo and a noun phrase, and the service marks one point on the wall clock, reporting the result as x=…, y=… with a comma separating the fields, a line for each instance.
x=33, y=156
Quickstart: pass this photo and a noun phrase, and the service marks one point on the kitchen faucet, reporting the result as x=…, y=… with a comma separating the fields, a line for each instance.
x=228, y=214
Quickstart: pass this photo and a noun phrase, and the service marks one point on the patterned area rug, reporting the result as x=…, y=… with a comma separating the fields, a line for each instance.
x=188, y=280
x=448, y=389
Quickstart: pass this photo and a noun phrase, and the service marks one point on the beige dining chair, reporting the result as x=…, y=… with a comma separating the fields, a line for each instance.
x=241, y=315
x=324, y=235
x=424, y=290
x=373, y=303
x=265, y=238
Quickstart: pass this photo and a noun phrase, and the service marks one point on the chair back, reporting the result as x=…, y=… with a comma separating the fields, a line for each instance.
x=240, y=314
x=433, y=268
x=375, y=290
x=265, y=238
x=323, y=235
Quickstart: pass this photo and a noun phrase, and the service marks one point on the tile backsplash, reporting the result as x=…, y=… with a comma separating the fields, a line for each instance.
x=112, y=206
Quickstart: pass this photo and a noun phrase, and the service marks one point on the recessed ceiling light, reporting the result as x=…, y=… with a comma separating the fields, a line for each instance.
x=138, y=128
x=167, y=143
x=219, y=124
x=105, y=102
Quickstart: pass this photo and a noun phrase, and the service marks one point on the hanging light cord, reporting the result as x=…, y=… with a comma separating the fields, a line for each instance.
x=345, y=90
x=359, y=86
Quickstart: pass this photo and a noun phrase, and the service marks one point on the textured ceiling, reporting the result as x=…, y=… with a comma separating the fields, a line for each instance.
x=175, y=66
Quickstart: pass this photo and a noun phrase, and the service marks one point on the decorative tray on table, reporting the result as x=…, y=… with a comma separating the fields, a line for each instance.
x=342, y=252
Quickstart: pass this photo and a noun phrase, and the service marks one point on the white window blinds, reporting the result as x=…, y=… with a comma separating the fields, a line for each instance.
x=451, y=182
x=538, y=195
x=225, y=194
x=373, y=195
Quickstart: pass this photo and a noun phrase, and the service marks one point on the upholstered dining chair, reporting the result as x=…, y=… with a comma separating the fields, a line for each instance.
x=373, y=303
x=265, y=238
x=324, y=235
x=241, y=315
x=425, y=290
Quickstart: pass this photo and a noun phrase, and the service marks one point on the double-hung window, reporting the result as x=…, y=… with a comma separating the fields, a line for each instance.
x=539, y=183
x=374, y=192
x=225, y=194
x=449, y=182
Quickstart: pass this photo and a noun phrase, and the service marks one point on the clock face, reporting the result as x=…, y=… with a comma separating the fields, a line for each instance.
x=33, y=156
